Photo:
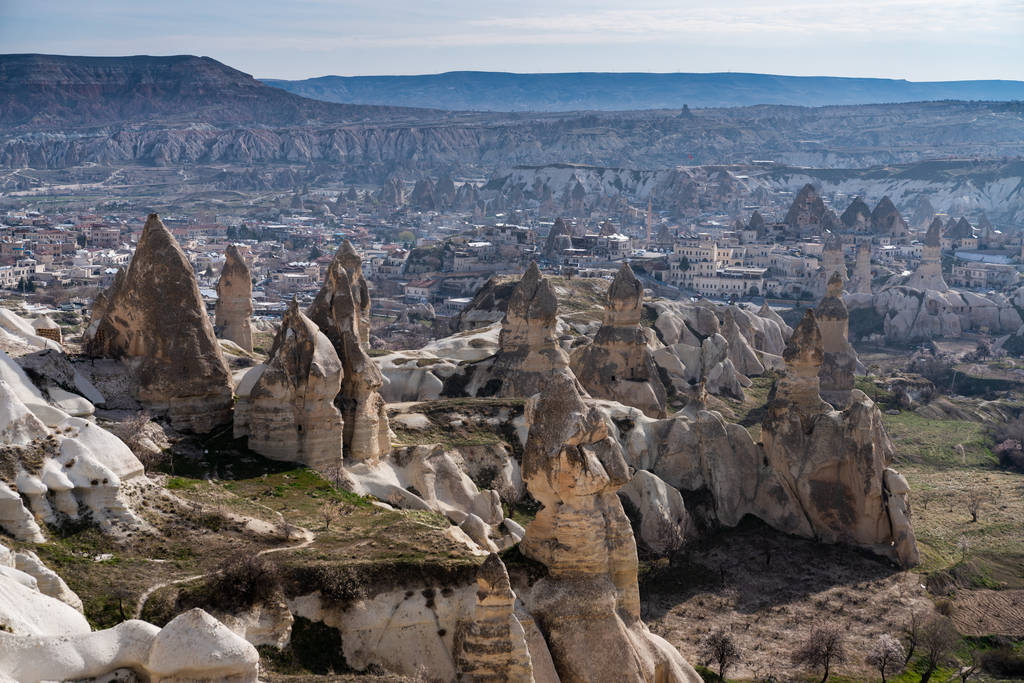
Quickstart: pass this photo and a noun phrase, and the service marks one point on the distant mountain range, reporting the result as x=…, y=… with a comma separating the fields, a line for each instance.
x=559, y=92
x=54, y=91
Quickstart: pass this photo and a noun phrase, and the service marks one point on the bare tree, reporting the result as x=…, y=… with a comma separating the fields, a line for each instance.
x=939, y=639
x=975, y=500
x=969, y=668
x=719, y=646
x=824, y=648
x=887, y=656
x=963, y=544
x=926, y=496
x=912, y=632
x=329, y=512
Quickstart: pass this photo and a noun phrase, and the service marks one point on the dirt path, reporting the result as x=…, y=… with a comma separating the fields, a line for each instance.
x=309, y=538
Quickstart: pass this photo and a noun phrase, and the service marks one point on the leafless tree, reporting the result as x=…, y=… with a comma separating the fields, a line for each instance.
x=887, y=656
x=939, y=639
x=971, y=666
x=963, y=544
x=824, y=648
x=329, y=512
x=975, y=500
x=926, y=496
x=719, y=646
x=912, y=633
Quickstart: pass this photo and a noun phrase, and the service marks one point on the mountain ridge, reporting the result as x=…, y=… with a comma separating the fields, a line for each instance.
x=39, y=91
x=602, y=91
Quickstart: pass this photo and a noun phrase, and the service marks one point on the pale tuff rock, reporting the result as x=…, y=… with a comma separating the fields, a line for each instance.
x=292, y=415
x=338, y=311
x=740, y=353
x=836, y=374
x=833, y=461
x=833, y=260
x=495, y=647
x=59, y=464
x=887, y=220
x=857, y=216
x=588, y=606
x=617, y=365
x=807, y=209
x=914, y=314
x=171, y=352
x=928, y=274
x=664, y=521
x=234, y=300
x=860, y=283
x=558, y=240
x=768, y=314
x=349, y=259
x=47, y=580
x=529, y=356
x=708, y=362
x=804, y=356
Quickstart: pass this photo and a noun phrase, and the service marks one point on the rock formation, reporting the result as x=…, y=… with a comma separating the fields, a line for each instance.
x=836, y=374
x=887, y=220
x=768, y=314
x=928, y=274
x=234, y=300
x=860, y=283
x=834, y=462
x=959, y=230
x=588, y=606
x=617, y=365
x=529, y=355
x=293, y=416
x=740, y=351
x=337, y=311
x=857, y=216
x=173, y=357
x=833, y=260
x=557, y=240
x=495, y=643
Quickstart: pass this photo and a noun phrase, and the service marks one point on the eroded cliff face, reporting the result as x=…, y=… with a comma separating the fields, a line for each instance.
x=618, y=365
x=173, y=357
x=293, y=416
x=589, y=605
x=234, y=300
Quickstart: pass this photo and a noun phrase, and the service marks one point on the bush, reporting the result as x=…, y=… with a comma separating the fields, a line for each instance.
x=244, y=581
x=1004, y=661
x=935, y=366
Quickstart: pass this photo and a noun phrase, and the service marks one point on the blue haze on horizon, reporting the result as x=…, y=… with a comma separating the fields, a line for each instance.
x=917, y=40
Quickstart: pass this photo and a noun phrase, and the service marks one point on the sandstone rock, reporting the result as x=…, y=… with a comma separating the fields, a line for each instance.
x=767, y=313
x=529, y=355
x=928, y=274
x=495, y=647
x=740, y=353
x=861, y=281
x=833, y=461
x=836, y=373
x=234, y=300
x=292, y=415
x=617, y=365
x=857, y=216
x=588, y=605
x=174, y=360
x=887, y=220
x=664, y=520
x=339, y=310
x=47, y=580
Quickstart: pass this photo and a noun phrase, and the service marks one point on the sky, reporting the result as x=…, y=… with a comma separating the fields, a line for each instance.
x=917, y=40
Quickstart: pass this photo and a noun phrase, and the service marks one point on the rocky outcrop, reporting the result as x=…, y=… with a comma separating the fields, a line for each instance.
x=234, y=300
x=740, y=352
x=558, y=239
x=495, y=647
x=836, y=373
x=807, y=209
x=887, y=220
x=617, y=365
x=833, y=462
x=768, y=314
x=833, y=260
x=860, y=283
x=172, y=354
x=857, y=216
x=529, y=356
x=588, y=606
x=928, y=274
x=914, y=314
x=292, y=415
x=338, y=311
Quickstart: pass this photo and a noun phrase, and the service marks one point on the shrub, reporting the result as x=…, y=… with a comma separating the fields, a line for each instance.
x=719, y=646
x=887, y=656
x=245, y=580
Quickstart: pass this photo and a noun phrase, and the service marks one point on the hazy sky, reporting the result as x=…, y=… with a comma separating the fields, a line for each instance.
x=293, y=39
